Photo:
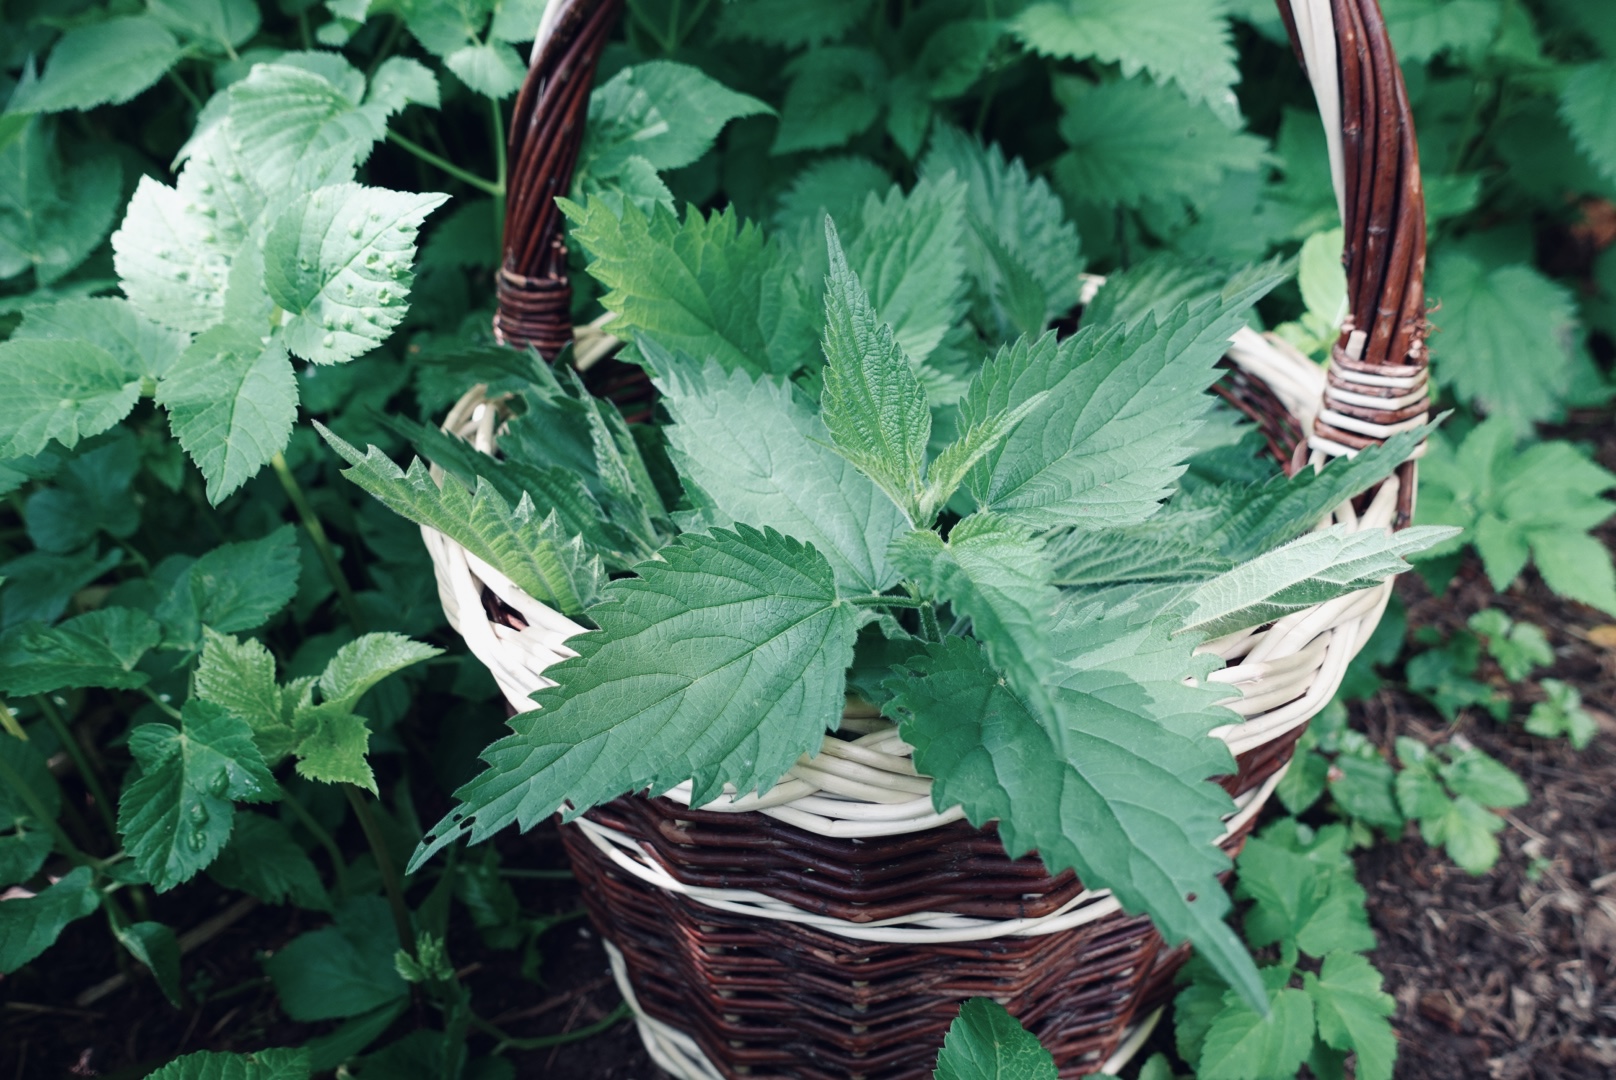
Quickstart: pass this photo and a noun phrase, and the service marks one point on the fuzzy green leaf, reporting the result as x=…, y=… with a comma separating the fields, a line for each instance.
x=706, y=286
x=835, y=93
x=757, y=453
x=533, y=552
x=722, y=664
x=333, y=745
x=832, y=185
x=1588, y=106
x=239, y=676
x=366, y=661
x=52, y=214
x=105, y=63
x=1241, y=1045
x=289, y=1064
x=234, y=587
x=61, y=390
x=986, y=1043
x=136, y=342
x=100, y=648
x=219, y=25
x=1351, y=1011
x=1186, y=41
x=491, y=68
x=176, y=814
x=1562, y=714
x=667, y=113
x=31, y=925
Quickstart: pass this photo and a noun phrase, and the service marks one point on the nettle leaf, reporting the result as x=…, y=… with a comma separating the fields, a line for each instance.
x=337, y=261
x=105, y=63
x=53, y=213
x=835, y=93
x=1492, y=321
x=1131, y=141
x=790, y=24
x=1585, y=105
x=1106, y=789
x=831, y=185
x=721, y=664
x=664, y=112
x=30, y=925
x=366, y=661
x=708, y=286
x=872, y=404
x=239, y=676
x=535, y=553
x=60, y=390
x=1242, y=1045
x=1004, y=204
x=289, y=1064
x=1309, y=570
x=219, y=25
x=986, y=1043
x=1186, y=41
x=136, y=342
x=1420, y=29
x=263, y=860
x=1106, y=444
x=176, y=814
x=234, y=587
x=1352, y=1011
x=100, y=648
x=341, y=970
x=231, y=399
x=755, y=452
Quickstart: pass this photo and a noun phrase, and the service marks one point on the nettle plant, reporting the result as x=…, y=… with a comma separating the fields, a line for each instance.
x=1005, y=583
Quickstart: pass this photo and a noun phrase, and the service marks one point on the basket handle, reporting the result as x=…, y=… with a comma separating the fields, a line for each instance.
x=1377, y=384
x=547, y=129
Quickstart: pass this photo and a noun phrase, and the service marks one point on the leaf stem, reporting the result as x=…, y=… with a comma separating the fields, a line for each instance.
x=887, y=601
x=507, y=1042
x=322, y=544
x=161, y=704
x=384, y=865
x=189, y=94
x=339, y=866
x=8, y=723
x=70, y=743
x=499, y=169
x=491, y=188
x=928, y=623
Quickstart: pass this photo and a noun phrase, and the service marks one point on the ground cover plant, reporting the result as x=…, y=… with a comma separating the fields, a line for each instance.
x=228, y=688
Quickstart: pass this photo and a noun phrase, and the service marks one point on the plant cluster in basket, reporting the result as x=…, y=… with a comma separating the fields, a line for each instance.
x=1014, y=549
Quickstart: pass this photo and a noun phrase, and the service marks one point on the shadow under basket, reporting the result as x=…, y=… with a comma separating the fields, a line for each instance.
x=720, y=992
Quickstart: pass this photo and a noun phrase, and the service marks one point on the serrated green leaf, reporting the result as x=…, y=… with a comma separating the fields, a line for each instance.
x=366, y=661
x=288, y=1064
x=721, y=663
x=955, y=462
x=220, y=24
x=835, y=93
x=756, y=453
x=706, y=286
x=872, y=404
x=832, y=185
x=1241, y=1045
x=100, y=648
x=333, y=745
x=39, y=585
x=1490, y=320
x=1194, y=1009
x=176, y=814
x=1351, y=1012
x=234, y=587
x=239, y=676
x=1185, y=41
x=1309, y=570
x=1420, y=29
x=231, y=399
x=986, y=1043
x=401, y=82
x=341, y=970
x=1105, y=446
x=1306, y=895
x=489, y=67
x=155, y=946
x=105, y=63
x=1484, y=778
x=1562, y=714
x=52, y=214
x=532, y=551
x=666, y=113
x=790, y=24
x=88, y=496
x=134, y=341
x=60, y=390
x=263, y=860
x=337, y=261
x=1131, y=141
x=1576, y=565
x=1074, y=795
x=1519, y=647
x=30, y=925
x=516, y=20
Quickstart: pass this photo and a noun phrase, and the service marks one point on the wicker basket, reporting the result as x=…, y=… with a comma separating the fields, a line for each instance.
x=830, y=928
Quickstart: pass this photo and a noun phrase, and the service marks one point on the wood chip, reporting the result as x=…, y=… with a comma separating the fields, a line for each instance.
x=1604, y=636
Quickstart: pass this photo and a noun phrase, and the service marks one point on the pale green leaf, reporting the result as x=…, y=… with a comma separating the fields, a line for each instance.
x=341, y=970
x=337, y=261
x=138, y=344
x=835, y=93
x=1323, y=279
x=516, y=20
x=832, y=185
x=1578, y=566
x=176, y=814
x=30, y=925
x=239, y=676
x=789, y=23
x=61, y=390
x=1351, y=1011
x=231, y=399
x=986, y=1043
x=219, y=24
x=1562, y=714
x=1186, y=41
x=333, y=744
x=234, y=587
x=1484, y=778
x=53, y=213
x=955, y=462
x=1241, y=1045
x=1420, y=29
x=666, y=113
x=155, y=946
x=721, y=664
x=366, y=661
x=99, y=648
x=401, y=82
x=491, y=68
x=105, y=63
x=756, y=453
x=289, y=1064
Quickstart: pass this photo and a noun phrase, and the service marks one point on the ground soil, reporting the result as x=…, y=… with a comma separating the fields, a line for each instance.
x=1507, y=976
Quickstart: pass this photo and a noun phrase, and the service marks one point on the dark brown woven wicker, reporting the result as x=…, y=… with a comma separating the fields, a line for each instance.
x=771, y=998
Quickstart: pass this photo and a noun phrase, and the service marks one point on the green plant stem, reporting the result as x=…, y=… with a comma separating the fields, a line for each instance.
x=888, y=601
x=339, y=866
x=928, y=623
x=70, y=743
x=496, y=190
x=322, y=544
x=384, y=865
x=186, y=91
x=537, y=875
x=161, y=704
x=15, y=783
x=8, y=723
x=507, y=1042
x=385, y=49
x=499, y=168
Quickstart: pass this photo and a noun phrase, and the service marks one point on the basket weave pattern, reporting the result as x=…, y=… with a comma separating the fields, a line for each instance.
x=830, y=927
